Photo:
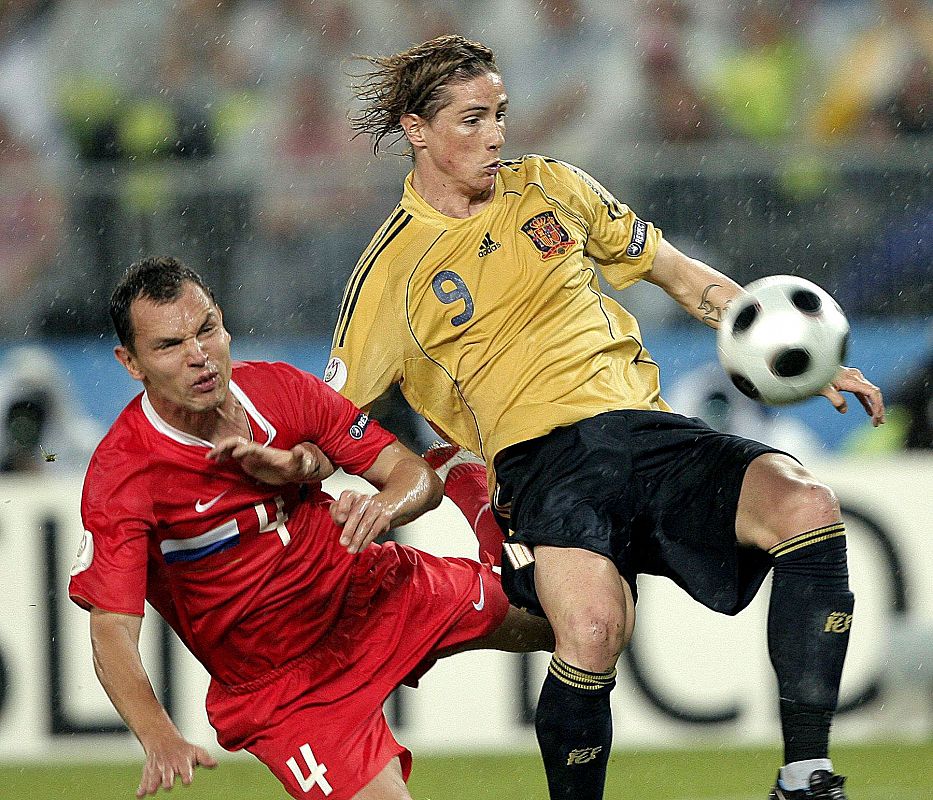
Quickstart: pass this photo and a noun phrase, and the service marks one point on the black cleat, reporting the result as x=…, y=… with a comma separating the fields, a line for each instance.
x=823, y=786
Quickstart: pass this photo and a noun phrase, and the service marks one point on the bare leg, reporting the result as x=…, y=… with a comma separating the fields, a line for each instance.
x=588, y=604
x=593, y=614
x=387, y=785
x=520, y=632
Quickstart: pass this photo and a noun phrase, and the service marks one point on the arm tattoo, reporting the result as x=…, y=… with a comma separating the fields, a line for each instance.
x=711, y=313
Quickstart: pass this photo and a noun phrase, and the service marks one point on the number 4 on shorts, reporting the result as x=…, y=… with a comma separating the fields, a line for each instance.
x=315, y=774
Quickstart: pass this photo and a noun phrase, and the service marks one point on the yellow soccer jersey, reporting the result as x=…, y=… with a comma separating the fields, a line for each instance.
x=495, y=325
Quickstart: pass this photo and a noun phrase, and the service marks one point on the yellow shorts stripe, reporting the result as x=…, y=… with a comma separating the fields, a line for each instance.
x=519, y=555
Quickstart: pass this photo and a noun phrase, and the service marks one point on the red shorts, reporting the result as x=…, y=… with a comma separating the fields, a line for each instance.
x=318, y=722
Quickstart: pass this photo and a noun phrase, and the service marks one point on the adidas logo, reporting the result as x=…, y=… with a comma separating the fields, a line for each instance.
x=488, y=246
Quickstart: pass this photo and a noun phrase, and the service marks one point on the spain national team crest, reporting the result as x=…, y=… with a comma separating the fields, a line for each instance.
x=548, y=235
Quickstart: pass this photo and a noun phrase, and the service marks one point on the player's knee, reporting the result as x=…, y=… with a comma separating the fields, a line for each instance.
x=790, y=501
x=806, y=505
x=593, y=634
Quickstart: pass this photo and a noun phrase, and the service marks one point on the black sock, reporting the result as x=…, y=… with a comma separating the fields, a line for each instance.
x=574, y=727
x=808, y=633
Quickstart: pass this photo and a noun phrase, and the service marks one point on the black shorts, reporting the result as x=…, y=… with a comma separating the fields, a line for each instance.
x=653, y=491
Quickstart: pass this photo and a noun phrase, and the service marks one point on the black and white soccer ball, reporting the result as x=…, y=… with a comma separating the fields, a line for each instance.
x=783, y=341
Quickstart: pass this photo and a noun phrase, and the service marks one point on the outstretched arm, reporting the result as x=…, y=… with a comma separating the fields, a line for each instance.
x=705, y=293
x=115, y=642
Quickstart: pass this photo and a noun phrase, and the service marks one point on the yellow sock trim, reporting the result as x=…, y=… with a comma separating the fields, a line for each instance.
x=578, y=678
x=808, y=538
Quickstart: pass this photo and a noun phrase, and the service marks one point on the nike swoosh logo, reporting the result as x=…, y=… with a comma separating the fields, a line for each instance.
x=202, y=507
x=479, y=604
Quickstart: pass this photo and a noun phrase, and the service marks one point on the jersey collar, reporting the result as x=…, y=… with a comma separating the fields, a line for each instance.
x=419, y=208
x=195, y=441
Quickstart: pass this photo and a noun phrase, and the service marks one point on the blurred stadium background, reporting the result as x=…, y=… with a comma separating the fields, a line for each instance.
x=763, y=137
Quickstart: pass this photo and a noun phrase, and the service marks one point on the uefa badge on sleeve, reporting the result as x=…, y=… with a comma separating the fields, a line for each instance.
x=358, y=428
x=335, y=375
x=639, y=237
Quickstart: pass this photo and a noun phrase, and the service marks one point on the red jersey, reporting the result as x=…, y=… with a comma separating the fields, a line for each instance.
x=249, y=576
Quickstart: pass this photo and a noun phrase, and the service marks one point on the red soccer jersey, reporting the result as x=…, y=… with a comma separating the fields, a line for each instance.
x=250, y=576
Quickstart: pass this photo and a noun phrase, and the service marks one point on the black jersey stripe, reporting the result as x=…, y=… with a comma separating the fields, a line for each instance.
x=357, y=270
x=394, y=217
x=355, y=286
x=362, y=277
x=599, y=299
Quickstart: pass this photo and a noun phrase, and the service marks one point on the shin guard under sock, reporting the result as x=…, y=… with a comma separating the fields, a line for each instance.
x=808, y=634
x=574, y=728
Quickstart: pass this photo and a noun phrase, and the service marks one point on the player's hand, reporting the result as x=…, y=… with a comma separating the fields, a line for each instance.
x=304, y=463
x=851, y=380
x=170, y=756
x=363, y=517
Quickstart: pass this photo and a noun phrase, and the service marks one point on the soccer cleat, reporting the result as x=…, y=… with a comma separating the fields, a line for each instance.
x=443, y=458
x=823, y=786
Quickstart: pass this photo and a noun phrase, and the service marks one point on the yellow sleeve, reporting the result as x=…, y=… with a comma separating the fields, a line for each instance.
x=623, y=245
x=367, y=351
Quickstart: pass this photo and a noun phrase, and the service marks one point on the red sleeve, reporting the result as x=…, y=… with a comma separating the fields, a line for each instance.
x=110, y=569
x=348, y=437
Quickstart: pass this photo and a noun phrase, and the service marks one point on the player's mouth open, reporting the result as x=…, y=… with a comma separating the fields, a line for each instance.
x=493, y=168
x=207, y=382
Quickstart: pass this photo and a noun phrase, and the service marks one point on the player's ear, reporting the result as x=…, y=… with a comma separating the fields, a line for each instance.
x=125, y=356
x=412, y=124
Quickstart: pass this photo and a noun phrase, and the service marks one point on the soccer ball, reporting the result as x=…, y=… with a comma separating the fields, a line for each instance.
x=784, y=341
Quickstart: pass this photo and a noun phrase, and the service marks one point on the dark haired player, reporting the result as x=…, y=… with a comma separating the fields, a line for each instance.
x=479, y=295
x=304, y=624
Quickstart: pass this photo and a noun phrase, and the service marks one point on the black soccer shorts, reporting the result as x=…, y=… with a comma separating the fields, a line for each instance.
x=653, y=491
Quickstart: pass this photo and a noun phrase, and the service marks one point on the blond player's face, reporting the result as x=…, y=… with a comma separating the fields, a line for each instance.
x=464, y=140
x=181, y=354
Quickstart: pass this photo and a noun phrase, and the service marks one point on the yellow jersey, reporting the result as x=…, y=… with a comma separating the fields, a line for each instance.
x=495, y=325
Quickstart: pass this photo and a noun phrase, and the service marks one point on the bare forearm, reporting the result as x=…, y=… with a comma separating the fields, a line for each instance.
x=120, y=671
x=115, y=641
x=303, y=463
x=702, y=291
x=705, y=293
x=410, y=491
x=407, y=488
x=707, y=301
